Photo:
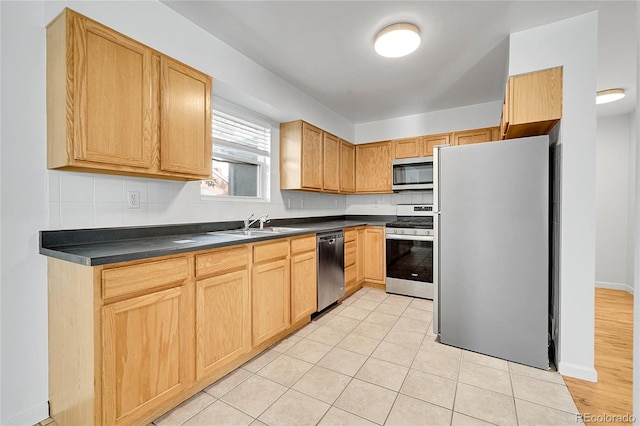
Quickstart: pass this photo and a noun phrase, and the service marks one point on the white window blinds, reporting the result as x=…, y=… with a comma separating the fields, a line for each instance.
x=233, y=132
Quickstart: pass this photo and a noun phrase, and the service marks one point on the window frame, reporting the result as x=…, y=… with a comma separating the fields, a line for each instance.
x=264, y=166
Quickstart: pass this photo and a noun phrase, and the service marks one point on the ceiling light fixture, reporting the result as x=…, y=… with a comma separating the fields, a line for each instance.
x=611, y=95
x=397, y=40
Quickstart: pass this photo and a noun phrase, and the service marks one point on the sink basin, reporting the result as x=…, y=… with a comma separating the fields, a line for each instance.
x=280, y=229
x=241, y=233
x=249, y=233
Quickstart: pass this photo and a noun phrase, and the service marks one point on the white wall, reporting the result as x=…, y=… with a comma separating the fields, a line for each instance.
x=571, y=43
x=430, y=123
x=1, y=216
x=23, y=212
x=636, y=237
x=614, y=174
x=632, y=165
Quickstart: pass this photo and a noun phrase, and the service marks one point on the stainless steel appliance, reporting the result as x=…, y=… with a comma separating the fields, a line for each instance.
x=330, y=268
x=412, y=173
x=491, y=249
x=409, y=242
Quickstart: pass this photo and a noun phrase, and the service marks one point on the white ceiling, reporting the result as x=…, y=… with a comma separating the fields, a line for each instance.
x=325, y=48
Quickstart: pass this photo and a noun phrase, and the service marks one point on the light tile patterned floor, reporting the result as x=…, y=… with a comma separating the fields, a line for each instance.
x=374, y=360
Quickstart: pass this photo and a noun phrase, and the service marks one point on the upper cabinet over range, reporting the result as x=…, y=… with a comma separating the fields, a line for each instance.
x=117, y=106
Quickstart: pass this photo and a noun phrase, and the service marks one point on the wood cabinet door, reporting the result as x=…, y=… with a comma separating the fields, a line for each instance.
x=185, y=119
x=331, y=161
x=360, y=250
x=472, y=136
x=428, y=142
x=406, y=148
x=535, y=96
x=373, y=167
x=113, y=97
x=223, y=320
x=304, y=290
x=144, y=343
x=347, y=167
x=374, y=259
x=270, y=299
x=312, y=163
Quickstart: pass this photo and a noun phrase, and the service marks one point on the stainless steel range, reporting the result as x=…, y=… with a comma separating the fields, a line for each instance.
x=409, y=242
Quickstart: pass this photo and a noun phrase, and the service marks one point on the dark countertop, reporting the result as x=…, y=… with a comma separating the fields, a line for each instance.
x=93, y=247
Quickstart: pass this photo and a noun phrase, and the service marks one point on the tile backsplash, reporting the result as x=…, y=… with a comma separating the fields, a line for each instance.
x=87, y=200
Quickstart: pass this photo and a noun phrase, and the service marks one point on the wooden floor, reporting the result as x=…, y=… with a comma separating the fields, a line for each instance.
x=612, y=394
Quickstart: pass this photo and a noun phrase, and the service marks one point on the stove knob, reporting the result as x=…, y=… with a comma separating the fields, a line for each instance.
x=415, y=232
x=395, y=231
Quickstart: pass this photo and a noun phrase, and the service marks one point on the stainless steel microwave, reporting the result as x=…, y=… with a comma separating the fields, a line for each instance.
x=412, y=174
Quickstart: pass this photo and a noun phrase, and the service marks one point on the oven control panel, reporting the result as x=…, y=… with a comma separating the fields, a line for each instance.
x=408, y=231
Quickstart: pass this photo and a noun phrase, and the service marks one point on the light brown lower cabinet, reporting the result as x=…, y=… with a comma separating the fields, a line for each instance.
x=145, y=351
x=304, y=293
x=129, y=341
x=375, y=267
x=223, y=320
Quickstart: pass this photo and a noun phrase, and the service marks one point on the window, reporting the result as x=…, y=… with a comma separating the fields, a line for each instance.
x=240, y=158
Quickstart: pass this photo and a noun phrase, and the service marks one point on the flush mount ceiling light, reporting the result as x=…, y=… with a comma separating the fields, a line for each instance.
x=611, y=95
x=397, y=40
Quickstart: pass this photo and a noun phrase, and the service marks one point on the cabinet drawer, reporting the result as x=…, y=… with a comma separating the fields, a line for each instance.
x=130, y=279
x=350, y=235
x=350, y=253
x=306, y=243
x=271, y=250
x=350, y=275
x=222, y=261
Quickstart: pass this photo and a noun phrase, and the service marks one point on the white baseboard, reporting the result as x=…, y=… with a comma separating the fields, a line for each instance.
x=578, y=371
x=30, y=416
x=615, y=286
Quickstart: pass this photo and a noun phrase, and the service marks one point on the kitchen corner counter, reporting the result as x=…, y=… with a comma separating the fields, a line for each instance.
x=102, y=246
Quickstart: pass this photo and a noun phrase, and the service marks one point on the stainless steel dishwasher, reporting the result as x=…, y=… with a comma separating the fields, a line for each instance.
x=330, y=268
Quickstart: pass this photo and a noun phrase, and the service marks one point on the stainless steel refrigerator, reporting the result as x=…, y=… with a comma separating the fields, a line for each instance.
x=491, y=248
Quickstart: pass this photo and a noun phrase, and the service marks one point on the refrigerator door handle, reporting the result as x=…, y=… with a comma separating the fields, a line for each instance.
x=436, y=239
x=436, y=273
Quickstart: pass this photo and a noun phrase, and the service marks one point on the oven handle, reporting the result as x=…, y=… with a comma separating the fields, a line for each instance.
x=410, y=237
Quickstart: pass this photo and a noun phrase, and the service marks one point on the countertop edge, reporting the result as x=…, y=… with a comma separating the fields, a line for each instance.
x=63, y=252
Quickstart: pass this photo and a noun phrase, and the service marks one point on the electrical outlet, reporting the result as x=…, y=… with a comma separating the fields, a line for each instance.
x=288, y=203
x=302, y=203
x=376, y=204
x=133, y=199
x=336, y=203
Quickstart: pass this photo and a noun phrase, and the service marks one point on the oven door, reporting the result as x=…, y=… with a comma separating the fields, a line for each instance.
x=410, y=265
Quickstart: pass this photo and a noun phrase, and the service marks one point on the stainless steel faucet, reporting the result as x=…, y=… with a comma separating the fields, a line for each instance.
x=263, y=219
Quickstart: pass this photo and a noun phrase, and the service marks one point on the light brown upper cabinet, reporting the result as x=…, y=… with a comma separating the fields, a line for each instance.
x=373, y=167
x=468, y=137
x=300, y=156
x=314, y=160
x=533, y=103
x=407, y=148
x=331, y=161
x=347, y=167
x=106, y=97
x=428, y=142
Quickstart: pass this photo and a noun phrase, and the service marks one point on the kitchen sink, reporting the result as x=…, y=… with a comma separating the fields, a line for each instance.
x=280, y=229
x=257, y=232
x=248, y=233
